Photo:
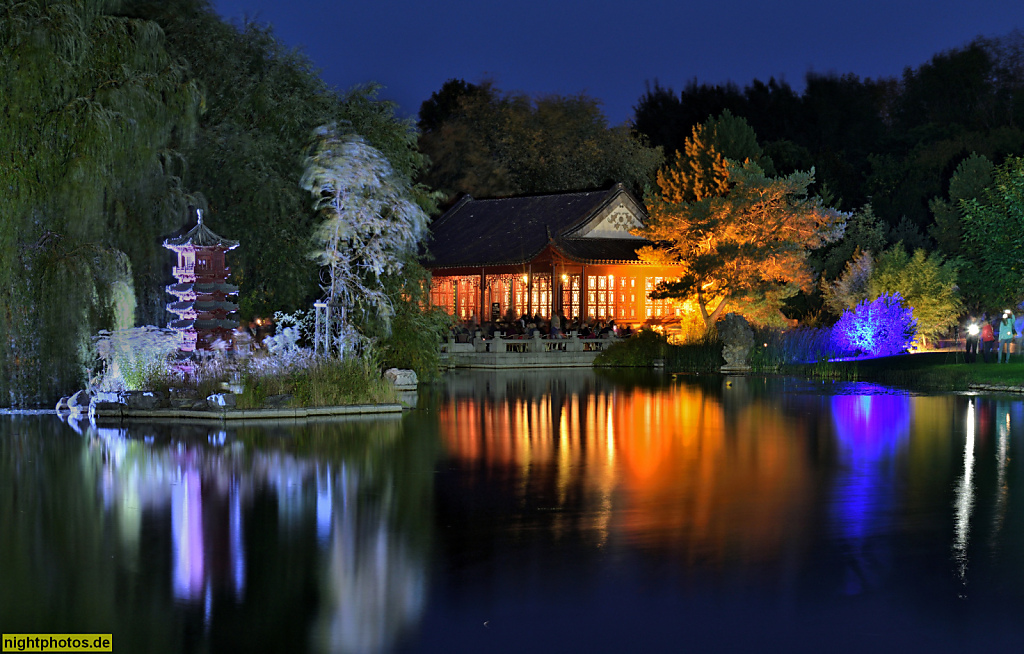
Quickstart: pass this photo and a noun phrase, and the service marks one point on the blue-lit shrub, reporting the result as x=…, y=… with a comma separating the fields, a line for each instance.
x=878, y=327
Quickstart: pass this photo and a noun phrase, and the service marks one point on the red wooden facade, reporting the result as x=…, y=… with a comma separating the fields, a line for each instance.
x=572, y=254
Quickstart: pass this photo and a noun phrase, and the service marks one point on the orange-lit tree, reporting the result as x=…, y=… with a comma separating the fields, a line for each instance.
x=742, y=235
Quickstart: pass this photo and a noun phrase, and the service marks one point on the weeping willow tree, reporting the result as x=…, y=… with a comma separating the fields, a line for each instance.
x=91, y=105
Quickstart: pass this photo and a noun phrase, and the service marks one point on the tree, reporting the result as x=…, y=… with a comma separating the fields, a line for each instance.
x=993, y=225
x=371, y=226
x=972, y=176
x=852, y=287
x=487, y=143
x=700, y=169
x=92, y=106
x=926, y=282
x=882, y=326
x=748, y=247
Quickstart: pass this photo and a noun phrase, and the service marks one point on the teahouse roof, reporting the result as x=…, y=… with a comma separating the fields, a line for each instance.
x=200, y=236
x=513, y=231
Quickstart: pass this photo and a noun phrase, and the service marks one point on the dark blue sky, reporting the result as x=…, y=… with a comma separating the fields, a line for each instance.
x=610, y=49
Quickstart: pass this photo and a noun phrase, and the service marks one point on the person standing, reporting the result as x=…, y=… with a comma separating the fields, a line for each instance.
x=973, y=336
x=988, y=337
x=1006, y=334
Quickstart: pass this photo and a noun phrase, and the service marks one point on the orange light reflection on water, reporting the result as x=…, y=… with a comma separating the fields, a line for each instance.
x=656, y=468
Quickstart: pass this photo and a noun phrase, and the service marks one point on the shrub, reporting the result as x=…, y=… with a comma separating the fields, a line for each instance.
x=879, y=327
x=134, y=359
x=639, y=350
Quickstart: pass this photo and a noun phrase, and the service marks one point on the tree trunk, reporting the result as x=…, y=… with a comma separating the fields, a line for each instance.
x=712, y=318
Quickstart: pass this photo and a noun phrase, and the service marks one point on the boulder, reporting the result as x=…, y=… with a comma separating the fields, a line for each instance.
x=402, y=380
x=144, y=400
x=221, y=400
x=79, y=402
x=738, y=339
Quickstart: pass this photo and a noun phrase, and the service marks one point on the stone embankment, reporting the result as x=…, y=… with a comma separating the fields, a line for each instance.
x=156, y=405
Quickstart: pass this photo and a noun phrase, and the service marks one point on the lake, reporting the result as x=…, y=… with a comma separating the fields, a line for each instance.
x=543, y=511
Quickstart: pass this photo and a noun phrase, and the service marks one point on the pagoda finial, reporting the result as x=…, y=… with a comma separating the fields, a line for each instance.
x=199, y=212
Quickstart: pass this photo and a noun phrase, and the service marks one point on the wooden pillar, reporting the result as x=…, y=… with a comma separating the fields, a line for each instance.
x=529, y=290
x=583, y=294
x=484, y=298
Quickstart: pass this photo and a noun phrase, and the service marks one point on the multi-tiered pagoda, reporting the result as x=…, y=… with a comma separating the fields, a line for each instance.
x=204, y=297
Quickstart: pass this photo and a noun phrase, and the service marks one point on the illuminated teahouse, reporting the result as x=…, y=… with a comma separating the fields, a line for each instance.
x=573, y=253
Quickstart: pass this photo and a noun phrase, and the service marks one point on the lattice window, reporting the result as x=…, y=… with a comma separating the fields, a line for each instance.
x=571, y=296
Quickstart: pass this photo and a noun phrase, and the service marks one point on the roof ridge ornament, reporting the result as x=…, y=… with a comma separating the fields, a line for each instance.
x=199, y=213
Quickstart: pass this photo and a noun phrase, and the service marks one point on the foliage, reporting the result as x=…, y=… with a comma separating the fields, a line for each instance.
x=852, y=287
x=371, y=227
x=703, y=354
x=701, y=169
x=488, y=143
x=133, y=359
x=879, y=327
x=993, y=225
x=640, y=350
x=417, y=326
x=748, y=247
x=972, y=176
x=864, y=232
x=926, y=282
x=262, y=101
x=791, y=346
x=93, y=103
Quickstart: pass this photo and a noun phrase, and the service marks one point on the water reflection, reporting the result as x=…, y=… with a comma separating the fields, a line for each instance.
x=965, y=499
x=351, y=485
x=667, y=468
x=872, y=428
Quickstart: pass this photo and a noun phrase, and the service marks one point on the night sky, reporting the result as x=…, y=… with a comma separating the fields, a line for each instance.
x=609, y=50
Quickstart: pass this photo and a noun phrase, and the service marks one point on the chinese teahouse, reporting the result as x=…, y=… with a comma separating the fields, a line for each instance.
x=568, y=253
x=203, y=293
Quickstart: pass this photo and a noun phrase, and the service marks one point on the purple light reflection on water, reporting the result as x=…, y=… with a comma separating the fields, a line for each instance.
x=870, y=429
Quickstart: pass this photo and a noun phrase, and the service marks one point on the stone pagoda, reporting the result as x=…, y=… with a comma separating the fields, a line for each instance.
x=204, y=297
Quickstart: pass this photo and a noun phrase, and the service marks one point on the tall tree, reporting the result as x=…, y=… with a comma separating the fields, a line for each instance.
x=993, y=225
x=371, y=225
x=487, y=143
x=747, y=248
x=92, y=104
x=926, y=282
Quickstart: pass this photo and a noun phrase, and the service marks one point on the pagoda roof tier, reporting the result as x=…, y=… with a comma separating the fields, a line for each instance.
x=205, y=288
x=202, y=306
x=207, y=306
x=203, y=324
x=199, y=236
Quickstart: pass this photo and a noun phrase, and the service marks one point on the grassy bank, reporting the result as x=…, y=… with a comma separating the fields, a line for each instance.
x=931, y=371
x=923, y=371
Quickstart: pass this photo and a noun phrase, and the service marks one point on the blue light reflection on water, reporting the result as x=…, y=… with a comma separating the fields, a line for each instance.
x=871, y=428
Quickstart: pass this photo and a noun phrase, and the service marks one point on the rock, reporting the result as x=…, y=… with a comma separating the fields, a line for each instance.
x=738, y=338
x=62, y=404
x=221, y=400
x=277, y=401
x=402, y=380
x=104, y=409
x=144, y=400
x=182, y=402
x=199, y=405
x=79, y=402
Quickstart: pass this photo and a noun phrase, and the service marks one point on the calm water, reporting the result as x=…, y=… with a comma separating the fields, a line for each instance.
x=545, y=512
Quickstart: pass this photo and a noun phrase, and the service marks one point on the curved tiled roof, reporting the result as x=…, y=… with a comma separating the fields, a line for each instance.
x=507, y=230
x=200, y=236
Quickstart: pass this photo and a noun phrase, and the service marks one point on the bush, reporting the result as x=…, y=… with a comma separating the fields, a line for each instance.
x=639, y=350
x=879, y=327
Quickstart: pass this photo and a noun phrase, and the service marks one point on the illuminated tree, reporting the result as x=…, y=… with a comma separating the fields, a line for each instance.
x=747, y=248
x=371, y=226
x=880, y=327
